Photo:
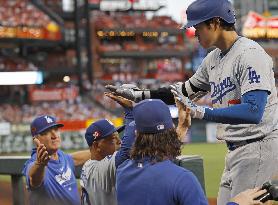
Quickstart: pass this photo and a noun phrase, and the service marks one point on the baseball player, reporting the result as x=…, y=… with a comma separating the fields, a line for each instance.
x=238, y=74
x=49, y=172
x=150, y=172
x=150, y=176
x=98, y=176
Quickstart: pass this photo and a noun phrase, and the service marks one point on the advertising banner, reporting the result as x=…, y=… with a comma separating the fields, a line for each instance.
x=53, y=94
x=258, y=26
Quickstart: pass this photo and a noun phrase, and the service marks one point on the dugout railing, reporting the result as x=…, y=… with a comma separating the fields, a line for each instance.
x=12, y=165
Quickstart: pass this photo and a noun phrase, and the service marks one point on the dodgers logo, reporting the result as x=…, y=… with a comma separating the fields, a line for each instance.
x=64, y=177
x=252, y=76
x=48, y=119
x=221, y=89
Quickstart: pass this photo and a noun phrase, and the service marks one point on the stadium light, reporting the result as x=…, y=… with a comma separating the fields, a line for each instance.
x=21, y=78
x=66, y=79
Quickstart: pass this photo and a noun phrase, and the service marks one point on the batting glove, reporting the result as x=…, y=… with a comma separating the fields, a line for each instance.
x=129, y=91
x=195, y=110
x=180, y=87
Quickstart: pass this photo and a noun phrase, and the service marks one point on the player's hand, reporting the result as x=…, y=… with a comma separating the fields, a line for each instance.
x=248, y=197
x=126, y=103
x=184, y=120
x=184, y=114
x=195, y=110
x=42, y=154
x=128, y=91
x=179, y=87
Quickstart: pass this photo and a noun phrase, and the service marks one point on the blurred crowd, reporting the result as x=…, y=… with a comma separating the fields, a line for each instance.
x=111, y=28
x=21, y=19
x=142, y=46
x=21, y=12
x=135, y=21
x=16, y=64
x=64, y=110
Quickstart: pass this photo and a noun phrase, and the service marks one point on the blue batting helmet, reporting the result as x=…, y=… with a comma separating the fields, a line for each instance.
x=202, y=10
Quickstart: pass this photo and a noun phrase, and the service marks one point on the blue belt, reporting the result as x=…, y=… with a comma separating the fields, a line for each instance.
x=233, y=145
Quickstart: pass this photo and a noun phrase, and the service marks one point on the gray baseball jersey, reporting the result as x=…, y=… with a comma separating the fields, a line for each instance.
x=98, y=180
x=244, y=68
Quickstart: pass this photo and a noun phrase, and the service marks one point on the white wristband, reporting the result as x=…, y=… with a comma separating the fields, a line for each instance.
x=147, y=94
x=199, y=113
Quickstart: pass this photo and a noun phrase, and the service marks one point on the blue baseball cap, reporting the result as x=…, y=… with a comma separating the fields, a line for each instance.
x=152, y=116
x=202, y=10
x=101, y=129
x=42, y=123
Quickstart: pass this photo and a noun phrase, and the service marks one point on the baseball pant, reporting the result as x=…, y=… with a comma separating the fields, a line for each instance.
x=249, y=166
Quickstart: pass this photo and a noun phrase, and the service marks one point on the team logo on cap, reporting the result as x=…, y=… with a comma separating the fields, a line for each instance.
x=33, y=129
x=96, y=134
x=48, y=119
x=160, y=127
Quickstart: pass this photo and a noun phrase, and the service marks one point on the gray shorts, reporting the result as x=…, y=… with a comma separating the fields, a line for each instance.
x=248, y=166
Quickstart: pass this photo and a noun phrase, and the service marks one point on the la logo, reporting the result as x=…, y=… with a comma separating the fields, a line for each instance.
x=48, y=119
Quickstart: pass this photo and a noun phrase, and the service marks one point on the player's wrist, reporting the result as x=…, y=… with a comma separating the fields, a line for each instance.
x=199, y=112
x=183, y=90
x=138, y=95
x=141, y=95
x=128, y=113
x=39, y=164
x=146, y=94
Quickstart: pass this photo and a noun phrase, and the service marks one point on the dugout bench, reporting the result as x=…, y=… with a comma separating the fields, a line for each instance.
x=12, y=165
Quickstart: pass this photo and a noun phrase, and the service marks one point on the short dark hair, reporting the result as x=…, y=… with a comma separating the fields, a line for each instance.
x=224, y=24
x=157, y=147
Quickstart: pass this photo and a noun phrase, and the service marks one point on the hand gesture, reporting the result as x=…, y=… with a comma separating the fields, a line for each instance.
x=184, y=120
x=195, y=110
x=184, y=114
x=126, y=103
x=248, y=197
x=128, y=91
x=180, y=87
x=42, y=154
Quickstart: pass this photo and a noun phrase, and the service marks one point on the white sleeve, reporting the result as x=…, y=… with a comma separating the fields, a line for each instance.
x=255, y=71
x=103, y=172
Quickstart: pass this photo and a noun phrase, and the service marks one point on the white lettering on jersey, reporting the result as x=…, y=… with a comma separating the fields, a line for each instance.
x=221, y=89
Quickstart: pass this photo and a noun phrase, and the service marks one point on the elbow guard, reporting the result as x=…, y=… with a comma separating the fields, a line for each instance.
x=194, y=93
